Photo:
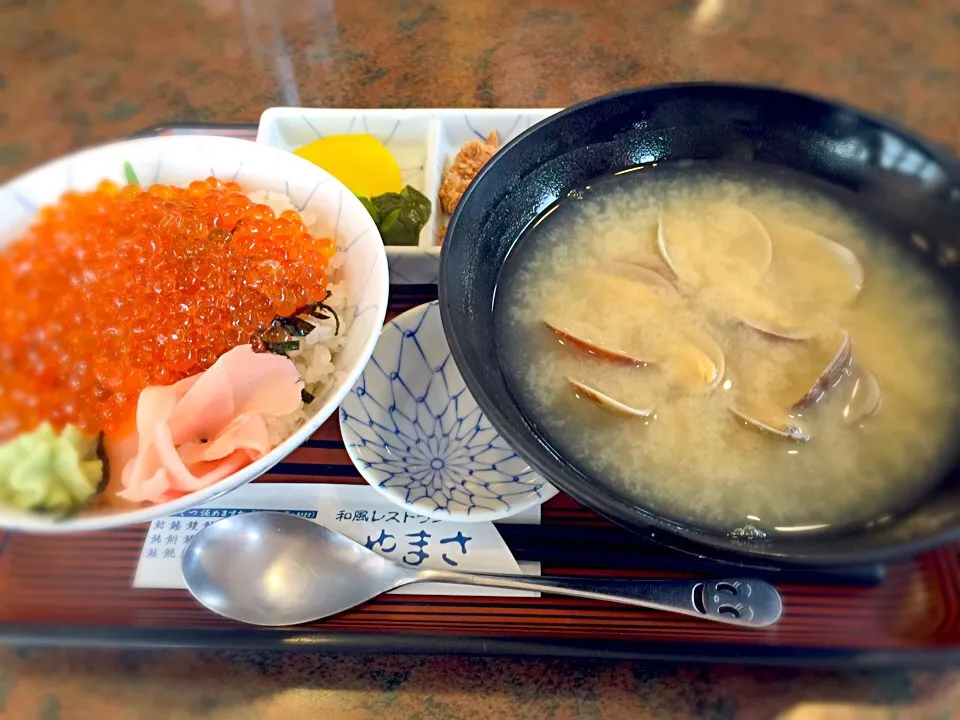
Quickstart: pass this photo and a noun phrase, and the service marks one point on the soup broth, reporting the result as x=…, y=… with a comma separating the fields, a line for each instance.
x=733, y=349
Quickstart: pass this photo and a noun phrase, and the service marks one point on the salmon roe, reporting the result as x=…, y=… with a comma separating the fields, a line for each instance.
x=120, y=288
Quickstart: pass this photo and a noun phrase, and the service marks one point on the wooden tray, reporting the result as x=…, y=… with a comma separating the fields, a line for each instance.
x=70, y=590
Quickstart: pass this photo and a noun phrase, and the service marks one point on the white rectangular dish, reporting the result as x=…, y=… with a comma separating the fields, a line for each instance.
x=424, y=143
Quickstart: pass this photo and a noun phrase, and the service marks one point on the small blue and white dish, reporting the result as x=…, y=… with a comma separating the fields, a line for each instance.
x=416, y=434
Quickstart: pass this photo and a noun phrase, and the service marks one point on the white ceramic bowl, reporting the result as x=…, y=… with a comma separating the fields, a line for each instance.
x=178, y=160
x=416, y=434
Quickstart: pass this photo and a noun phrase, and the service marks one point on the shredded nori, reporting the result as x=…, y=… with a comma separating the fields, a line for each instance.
x=319, y=311
x=295, y=326
x=282, y=348
x=105, y=462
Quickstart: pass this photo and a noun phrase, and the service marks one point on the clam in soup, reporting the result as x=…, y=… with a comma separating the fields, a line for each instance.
x=738, y=352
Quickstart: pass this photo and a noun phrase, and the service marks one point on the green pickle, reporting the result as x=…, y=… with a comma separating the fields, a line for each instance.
x=399, y=216
x=49, y=471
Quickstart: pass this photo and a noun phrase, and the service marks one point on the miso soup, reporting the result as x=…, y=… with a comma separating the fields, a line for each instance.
x=732, y=348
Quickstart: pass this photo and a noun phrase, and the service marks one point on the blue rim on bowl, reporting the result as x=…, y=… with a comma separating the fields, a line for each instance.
x=416, y=434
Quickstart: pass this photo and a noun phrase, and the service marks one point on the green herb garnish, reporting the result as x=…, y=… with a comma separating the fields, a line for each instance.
x=282, y=348
x=129, y=175
x=399, y=216
x=295, y=326
x=320, y=310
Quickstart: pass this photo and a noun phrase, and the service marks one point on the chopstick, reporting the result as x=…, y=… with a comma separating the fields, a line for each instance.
x=611, y=548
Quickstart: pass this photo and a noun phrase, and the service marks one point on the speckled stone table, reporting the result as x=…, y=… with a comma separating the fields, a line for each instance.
x=76, y=72
x=175, y=685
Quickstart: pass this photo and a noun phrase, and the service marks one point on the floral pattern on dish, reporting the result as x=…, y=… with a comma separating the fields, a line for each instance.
x=415, y=433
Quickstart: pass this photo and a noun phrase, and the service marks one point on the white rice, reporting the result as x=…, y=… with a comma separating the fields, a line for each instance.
x=316, y=359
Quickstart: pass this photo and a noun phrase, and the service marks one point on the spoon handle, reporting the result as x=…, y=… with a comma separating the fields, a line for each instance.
x=738, y=601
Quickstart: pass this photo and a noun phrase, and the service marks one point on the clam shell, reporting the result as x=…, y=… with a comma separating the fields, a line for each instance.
x=784, y=332
x=650, y=262
x=608, y=403
x=754, y=306
x=718, y=242
x=767, y=422
x=865, y=397
x=700, y=359
x=826, y=271
x=763, y=315
x=810, y=280
x=592, y=347
x=832, y=373
x=645, y=275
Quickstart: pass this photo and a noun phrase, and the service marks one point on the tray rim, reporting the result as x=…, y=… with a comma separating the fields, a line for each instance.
x=339, y=642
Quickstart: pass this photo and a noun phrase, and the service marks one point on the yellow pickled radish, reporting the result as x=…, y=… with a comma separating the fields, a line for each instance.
x=361, y=162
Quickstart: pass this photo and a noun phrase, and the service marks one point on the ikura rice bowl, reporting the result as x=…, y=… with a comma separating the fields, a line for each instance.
x=154, y=342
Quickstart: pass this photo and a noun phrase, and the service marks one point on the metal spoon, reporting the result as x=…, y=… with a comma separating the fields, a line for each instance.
x=269, y=568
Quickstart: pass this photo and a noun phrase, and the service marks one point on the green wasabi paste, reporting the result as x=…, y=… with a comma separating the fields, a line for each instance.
x=49, y=471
